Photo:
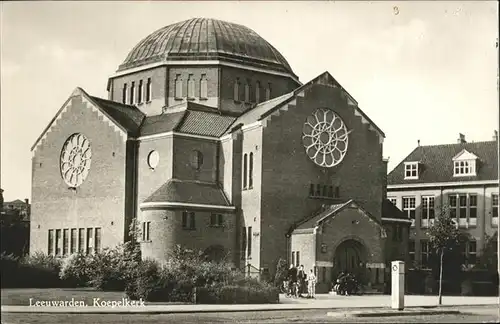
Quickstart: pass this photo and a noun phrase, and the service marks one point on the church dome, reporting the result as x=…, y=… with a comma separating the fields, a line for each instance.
x=199, y=39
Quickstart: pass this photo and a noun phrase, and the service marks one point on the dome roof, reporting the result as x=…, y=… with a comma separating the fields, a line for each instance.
x=206, y=39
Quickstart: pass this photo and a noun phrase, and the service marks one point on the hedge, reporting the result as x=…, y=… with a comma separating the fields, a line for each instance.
x=236, y=295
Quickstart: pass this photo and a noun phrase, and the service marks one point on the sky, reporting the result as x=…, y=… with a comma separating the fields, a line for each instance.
x=420, y=70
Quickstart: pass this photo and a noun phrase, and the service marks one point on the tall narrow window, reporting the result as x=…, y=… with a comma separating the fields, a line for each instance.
x=245, y=164
x=318, y=190
x=65, y=241
x=236, y=90
x=249, y=242
x=97, y=245
x=144, y=231
x=149, y=90
x=452, y=201
x=90, y=240
x=203, y=87
x=494, y=209
x=124, y=93
x=325, y=191
x=139, y=91
x=473, y=210
x=409, y=208
x=257, y=92
x=311, y=190
x=471, y=252
x=50, y=249
x=243, y=241
x=132, y=93
x=462, y=220
x=73, y=241
x=293, y=258
x=411, y=252
x=330, y=191
x=247, y=91
x=424, y=253
x=268, y=91
x=81, y=240
x=178, y=86
x=337, y=192
x=427, y=211
x=250, y=171
x=184, y=223
x=148, y=231
x=192, y=222
x=297, y=258
x=190, y=85
x=58, y=242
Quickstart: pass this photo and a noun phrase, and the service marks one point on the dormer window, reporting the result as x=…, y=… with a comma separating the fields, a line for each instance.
x=464, y=164
x=411, y=170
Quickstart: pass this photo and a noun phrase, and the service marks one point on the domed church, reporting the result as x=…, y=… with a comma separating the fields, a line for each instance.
x=208, y=140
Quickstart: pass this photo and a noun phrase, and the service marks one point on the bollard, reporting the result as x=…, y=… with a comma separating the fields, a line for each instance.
x=398, y=285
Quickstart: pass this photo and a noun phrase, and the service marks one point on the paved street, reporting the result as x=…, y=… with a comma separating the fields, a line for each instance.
x=480, y=315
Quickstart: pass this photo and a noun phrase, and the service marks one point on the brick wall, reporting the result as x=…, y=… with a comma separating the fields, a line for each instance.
x=212, y=75
x=288, y=172
x=182, y=156
x=166, y=232
x=279, y=86
x=158, y=89
x=99, y=201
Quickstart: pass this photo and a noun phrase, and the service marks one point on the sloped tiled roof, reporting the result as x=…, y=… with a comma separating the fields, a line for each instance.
x=316, y=219
x=189, y=118
x=188, y=191
x=129, y=117
x=391, y=211
x=14, y=202
x=436, y=163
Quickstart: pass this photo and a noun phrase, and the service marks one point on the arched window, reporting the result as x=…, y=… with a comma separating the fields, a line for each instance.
x=203, y=87
x=178, y=86
x=250, y=171
x=257, y=92
x=245, y=171
x=236, y=90
x=148, y=90
x=190, y=85
x=268, y=92
x=132, y=93
x=124, y=94
x=139, y=92
x=247, y=91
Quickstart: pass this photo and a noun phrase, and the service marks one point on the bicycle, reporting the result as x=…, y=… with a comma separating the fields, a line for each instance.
x=290, y=289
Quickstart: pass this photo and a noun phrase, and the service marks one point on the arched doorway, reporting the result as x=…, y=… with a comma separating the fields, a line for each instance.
x=350, y=256
x=215, y=253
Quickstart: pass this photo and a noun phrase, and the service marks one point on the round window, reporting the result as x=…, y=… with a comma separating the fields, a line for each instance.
x=75, y=160
x=153, y=159
x=196, y=159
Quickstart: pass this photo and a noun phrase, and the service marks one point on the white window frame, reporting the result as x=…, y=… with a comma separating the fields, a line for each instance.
x=407, y=208
x=494, y=206
x=427, y=205
x=410, y=168
x=464, y=168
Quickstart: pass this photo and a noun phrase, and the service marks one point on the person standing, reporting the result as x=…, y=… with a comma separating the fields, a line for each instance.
x=301, y=276
x=311, y=284
x=292, y=277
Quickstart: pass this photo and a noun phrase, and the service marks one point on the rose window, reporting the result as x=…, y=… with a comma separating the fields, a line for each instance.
x=75, y=160
x=325, y=138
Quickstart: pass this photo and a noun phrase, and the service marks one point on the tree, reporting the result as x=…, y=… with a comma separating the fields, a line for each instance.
x=445, y=238
x=488, y=258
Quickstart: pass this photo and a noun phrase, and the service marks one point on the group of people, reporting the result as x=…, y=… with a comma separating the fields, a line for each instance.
x=299, y=281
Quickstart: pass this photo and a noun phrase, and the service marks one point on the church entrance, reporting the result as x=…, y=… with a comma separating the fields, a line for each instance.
x=350, y=256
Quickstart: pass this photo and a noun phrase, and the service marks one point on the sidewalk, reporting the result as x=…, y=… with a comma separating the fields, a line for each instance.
x=321, y=302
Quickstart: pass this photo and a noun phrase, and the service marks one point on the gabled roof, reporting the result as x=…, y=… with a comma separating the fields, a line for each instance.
x=263, y=110
x=189, y=118
x=126, y=118
x=331, y=211
x=465, y=155
x=189, y=192
x=14, y=202
x=391, y=211
x=436, y=163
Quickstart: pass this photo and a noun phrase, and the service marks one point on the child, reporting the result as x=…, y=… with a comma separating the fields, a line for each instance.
x=311, y=284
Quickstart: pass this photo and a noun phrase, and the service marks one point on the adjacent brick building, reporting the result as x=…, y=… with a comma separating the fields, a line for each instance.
x=211, y=142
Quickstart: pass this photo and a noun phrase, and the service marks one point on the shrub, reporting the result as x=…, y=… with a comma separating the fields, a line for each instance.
x=233, y=294
x=75, y=270
x=32, y=271
x=281, y=272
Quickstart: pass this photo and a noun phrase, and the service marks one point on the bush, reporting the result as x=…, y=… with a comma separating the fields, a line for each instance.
x=76, y=270
x=32, y=271
x=222, y=294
